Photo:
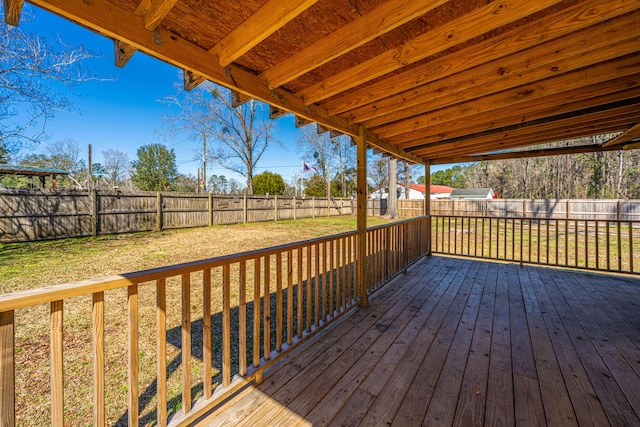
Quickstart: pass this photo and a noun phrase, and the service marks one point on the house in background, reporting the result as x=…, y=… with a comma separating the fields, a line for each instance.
x=473, y=193
x=416, y=192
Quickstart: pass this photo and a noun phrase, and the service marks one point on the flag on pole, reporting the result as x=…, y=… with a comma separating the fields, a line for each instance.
x=307, y=167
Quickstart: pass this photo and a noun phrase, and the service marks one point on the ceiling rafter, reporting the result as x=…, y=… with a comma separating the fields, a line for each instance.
x=558, y=57
x=112, y=21
x=567, y=82
x=260, y=25
x=547, y=118
x=379, y=21
x=619, y=89
x=473, y=24
x=630, y=134
x=525, y=154
x=531, y=136
x=579, y=16
x=12, y=11
x=152, y=12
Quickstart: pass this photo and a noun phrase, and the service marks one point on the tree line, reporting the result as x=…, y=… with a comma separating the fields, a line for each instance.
x=600, y=175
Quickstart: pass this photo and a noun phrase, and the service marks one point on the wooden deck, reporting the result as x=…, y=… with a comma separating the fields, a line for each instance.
x=465, y=343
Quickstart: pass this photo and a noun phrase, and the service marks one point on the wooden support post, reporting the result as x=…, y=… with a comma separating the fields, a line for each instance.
x=361, y=219
x=294, y=207
x=210, y=209
x=427, y=204
x=158, y=211
x=7, y=369
x=12, y=11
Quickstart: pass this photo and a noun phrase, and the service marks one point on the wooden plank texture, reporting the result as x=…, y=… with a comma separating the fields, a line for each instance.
x=460, y=342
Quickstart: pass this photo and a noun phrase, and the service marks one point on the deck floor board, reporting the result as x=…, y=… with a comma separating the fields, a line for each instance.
x=467, y=343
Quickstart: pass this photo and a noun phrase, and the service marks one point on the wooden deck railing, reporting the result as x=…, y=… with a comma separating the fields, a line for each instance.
x=267, y=301
x=604, y=245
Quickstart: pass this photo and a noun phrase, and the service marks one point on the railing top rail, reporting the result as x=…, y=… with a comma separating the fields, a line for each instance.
x=534, y=218
x=30, y=297
x=391, y=224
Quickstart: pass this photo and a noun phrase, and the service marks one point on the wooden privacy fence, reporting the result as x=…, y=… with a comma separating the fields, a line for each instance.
x=628, y=210
x=252, y=308
x=604, y=245
x=27, y=215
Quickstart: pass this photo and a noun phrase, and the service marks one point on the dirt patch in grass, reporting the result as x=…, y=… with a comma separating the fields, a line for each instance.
x=31, y=265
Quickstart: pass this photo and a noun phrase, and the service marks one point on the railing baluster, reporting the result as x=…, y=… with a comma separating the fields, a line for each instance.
x=619, y=246
x=279, y=306
x=343, y=274
x=226, y=325
x=316, y=299
x=309, y=289
x=566, y=242
x=266, y=308
x=161, y=350
x=242, y=317
x=586, y=244
x=575, y=237
x=132, y=294
x=546, y=237
x=300, y=294
x=332, y=281
x=57, y=356
x=186, y=343
x=557, y=243
x=325, y=281
x=7, y=369
x=97, y=315
x=608, y=246
x=289, y=297
x=631, y=267
x=521, y=221
x=206, y=331
x=256, y=311
x=597, y=239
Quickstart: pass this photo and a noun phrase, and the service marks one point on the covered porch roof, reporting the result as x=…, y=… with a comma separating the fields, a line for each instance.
x=429, y=80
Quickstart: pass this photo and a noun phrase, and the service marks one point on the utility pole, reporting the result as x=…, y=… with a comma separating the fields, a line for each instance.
x=204, y=162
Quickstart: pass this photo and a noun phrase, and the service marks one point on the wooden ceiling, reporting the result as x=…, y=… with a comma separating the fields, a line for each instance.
x=430, y=81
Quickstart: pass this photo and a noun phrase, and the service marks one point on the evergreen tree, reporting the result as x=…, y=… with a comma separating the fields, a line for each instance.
x=155, y=169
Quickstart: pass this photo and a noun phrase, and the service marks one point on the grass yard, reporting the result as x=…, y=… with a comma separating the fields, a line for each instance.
x=31, y=265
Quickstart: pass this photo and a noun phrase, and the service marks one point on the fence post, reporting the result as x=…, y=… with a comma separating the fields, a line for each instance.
x=619, y=213
x=568, y=205
x=524, y=208
x=313, y=207
x=275, y=207
x=244, y=207
x=210, y=209
x=294, y=207
x=93, y=206
x=159, y=211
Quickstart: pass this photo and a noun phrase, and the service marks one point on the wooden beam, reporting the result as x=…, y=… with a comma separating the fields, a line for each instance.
x=12, y=11
x=512, y=98
x=633, y=146
x=122, y=53
x=628, y=135
x=546, y=108
x=265, y=21
x=581, y=15
x=334, y=134
x=473, y=24
x=550, y=60
x=239, y=98
x=361, y=214
x=112, y=21
x=320, y=129
x=526, y=154
x=300, y=122
x=192, y=80
x=575, y=127
x=547, y=119
x=379, y=21
x=157, y=10
x=275, y=112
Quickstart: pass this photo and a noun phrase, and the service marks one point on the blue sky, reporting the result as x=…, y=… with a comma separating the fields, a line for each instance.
x=124, y=110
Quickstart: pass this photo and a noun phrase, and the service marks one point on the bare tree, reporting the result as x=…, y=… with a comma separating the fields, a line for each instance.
x=116, y=166
x=32, y=71
x=320, y=150
x=377, y=171
x=238, y=137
